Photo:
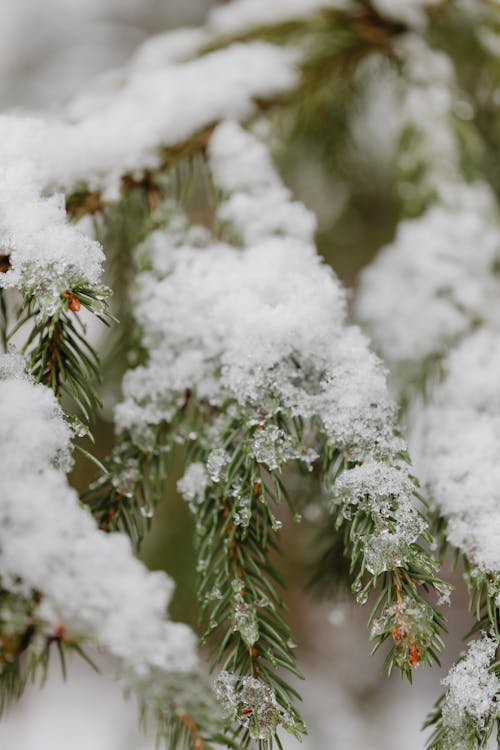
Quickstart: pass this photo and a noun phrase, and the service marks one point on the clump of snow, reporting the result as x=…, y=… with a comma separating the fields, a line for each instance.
x=257, y=205
x=426, y=100
x=174, y=46
x=433, y=295
x=260, y=328
x=103, y=135
x=47, y=254
x=90, y=581
x=386, y=493
x=472, y=696
x=246, y=15
x=411, y=12
x=460, y=437
x=435, y=281
x=238, y=323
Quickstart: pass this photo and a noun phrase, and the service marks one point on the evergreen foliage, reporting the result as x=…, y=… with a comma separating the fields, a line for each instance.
x=236, y=354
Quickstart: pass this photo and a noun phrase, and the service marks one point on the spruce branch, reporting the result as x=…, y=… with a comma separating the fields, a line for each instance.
x=187, y=715
x=401, y=613
x=59, y=354
x=26, y=645
x=467, y=714
x=127, y=489
x=242, y=611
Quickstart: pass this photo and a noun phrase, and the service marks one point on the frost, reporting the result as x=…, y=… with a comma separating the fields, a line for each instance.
x=89, y=581
x=472, y=695
x=252, y=704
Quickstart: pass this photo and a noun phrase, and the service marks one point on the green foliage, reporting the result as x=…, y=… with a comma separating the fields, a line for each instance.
x=26, y=646
x=59, y=354
x=241, y=609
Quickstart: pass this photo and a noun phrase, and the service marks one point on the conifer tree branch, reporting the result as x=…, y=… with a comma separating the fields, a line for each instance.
x=59, y=354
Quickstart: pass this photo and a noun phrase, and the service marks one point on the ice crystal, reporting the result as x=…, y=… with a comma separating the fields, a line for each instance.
x=252, y=704
x=245, y=616
x=216, y=462
x=410, y=624
x=273, y=447
x=193, y=484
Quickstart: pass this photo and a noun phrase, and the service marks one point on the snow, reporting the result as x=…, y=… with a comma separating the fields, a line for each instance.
x=246, y=15
x=472, y=694
x=104, y=135
x=90, y=582
x=411, y=12
x=439, y=271
x=431, y=156
x=258, y=330
x=47, y=254
x=387, y=492
x=460, y=439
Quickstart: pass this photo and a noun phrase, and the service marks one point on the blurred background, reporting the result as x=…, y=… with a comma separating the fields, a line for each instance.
x=50, y=50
